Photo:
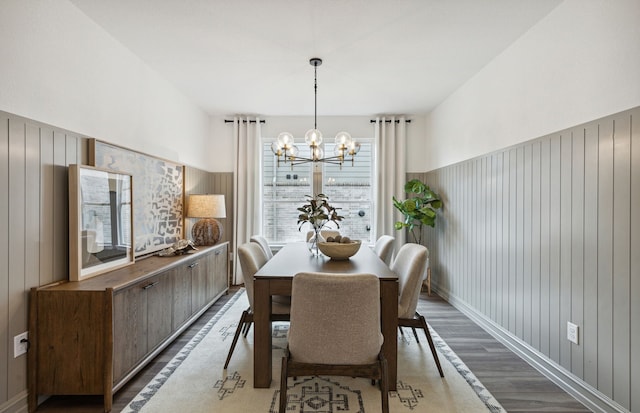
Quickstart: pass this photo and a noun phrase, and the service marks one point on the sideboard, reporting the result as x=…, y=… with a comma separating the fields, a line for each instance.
x=90, y=337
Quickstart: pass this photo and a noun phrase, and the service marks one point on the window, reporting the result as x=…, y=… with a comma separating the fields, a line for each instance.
x=350, y=188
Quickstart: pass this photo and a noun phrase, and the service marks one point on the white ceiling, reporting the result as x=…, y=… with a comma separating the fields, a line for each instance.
x=380, y=56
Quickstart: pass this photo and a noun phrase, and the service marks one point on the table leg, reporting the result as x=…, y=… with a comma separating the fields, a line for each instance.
x=262, y=334
x=389, y=315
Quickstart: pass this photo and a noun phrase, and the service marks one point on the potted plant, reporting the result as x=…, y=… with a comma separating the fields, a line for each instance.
x=418, y=210
x=317, y=212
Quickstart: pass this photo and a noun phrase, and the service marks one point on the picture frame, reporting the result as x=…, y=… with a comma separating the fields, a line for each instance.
x=158, y=201
x=100, y=221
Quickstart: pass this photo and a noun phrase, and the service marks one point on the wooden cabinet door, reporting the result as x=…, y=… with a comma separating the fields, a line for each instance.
x=181, y=277
x=220, y=272
x=199, y=274
x=129, y=328
x=159, y=310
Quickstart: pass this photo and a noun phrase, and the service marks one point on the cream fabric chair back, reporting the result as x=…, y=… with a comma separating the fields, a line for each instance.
x=325, y=233
x=410, y=265
x=252, y=258
x=384, y=248
x=335, y=318
x=262, y=241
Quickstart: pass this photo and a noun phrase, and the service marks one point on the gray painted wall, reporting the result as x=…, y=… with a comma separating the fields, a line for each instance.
x=546, y=232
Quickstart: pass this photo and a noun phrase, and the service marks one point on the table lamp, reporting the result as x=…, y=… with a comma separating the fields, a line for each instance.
x=208, y=230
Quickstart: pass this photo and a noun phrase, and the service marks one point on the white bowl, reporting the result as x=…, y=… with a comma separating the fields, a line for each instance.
x=339, y=250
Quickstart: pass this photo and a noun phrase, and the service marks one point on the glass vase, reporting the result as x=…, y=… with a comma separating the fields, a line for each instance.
x=312, y=243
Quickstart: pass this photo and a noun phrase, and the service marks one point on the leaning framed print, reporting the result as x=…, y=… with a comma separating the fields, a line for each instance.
x=100, y=221
x=157, y=200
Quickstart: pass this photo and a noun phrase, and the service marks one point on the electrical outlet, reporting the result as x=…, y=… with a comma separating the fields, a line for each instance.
x=572, y=332
x=20, y=344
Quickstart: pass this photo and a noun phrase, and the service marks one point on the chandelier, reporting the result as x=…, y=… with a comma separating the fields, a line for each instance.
x=287, y=152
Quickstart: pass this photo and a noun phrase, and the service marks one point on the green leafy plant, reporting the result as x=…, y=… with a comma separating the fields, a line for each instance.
x=318, y=212
x=418, y=210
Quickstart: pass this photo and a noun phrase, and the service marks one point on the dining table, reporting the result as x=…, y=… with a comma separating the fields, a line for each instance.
x=275, y=278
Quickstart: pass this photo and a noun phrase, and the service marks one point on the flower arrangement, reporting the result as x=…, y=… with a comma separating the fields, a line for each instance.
x=318, y=212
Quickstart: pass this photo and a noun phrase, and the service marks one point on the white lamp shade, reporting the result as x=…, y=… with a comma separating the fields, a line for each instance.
x=206, y=206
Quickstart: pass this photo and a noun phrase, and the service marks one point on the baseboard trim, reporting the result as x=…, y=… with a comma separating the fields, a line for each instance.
x=17, y=404
x=583, y=392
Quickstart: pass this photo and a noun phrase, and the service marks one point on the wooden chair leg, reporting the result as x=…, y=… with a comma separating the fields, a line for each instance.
x=415, y=334
x=283, y=385
x=430, y=340
x=247, y=327
x=235, y=337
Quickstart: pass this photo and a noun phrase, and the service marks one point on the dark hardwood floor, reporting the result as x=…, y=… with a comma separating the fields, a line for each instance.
x=515, y=384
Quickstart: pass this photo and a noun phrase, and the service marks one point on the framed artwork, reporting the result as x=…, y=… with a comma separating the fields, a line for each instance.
x=100, y=221
x=158, y=195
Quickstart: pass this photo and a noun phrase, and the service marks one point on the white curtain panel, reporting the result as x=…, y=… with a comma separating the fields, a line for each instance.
x=247, y=184
x=391, y=139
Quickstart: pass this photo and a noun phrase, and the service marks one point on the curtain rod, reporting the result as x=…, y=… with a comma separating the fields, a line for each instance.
x=263, y=121
x=389, y=121
x=243, y=121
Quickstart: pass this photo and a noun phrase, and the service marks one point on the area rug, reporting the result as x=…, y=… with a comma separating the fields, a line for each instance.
x=194, y=381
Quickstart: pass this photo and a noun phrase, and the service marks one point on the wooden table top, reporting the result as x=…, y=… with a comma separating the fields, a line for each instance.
x=295, y=257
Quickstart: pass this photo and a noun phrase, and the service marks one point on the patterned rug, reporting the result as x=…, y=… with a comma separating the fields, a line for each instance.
x=194, y=381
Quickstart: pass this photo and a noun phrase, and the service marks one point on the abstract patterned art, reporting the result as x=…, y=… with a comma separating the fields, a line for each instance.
x=157, y=194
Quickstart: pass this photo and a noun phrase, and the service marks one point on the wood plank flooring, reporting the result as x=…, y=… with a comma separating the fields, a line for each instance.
x=515, y=384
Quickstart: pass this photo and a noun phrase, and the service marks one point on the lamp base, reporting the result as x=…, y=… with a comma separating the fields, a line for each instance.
x=207, y=231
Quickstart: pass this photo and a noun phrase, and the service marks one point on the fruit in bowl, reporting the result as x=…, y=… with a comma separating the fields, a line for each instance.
x=339, y=247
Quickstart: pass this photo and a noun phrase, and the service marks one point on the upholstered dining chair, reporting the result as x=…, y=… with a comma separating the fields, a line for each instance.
x=262, y=241
x=410, y=265
x=252, y=257
x=335, y=330
x=384, y=248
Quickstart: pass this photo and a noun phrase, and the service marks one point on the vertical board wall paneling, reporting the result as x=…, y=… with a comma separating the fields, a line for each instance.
x=33, y=207
x=554, y=250
x=5, y=340
x=589, y=335
x=46, y=205
x=566, y=147
x=535, y=245
x=499, y=237
x=513, y=240
x=635, y=261
x=526, y=245
x=59, y=203
x=545, y=241
x=546, y=232
x=519, y=233
x=605, y=259
x=577, y=249
x=32, y=199
x=506, y=211
x=16, y=229
x=621, y=258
